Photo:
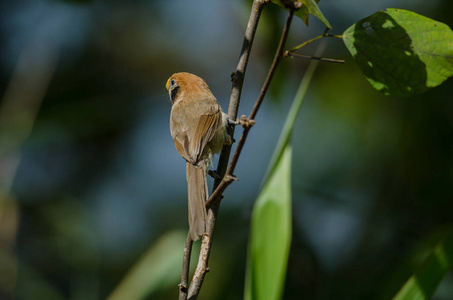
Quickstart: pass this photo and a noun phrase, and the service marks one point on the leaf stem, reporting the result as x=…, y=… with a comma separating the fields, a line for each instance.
x=314, y=39
x=332, y=60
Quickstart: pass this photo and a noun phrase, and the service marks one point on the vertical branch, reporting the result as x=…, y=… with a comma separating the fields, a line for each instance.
x=213, y=206
x=248, y=123
x=184, y=285
x=237, y=79
x=237, y=83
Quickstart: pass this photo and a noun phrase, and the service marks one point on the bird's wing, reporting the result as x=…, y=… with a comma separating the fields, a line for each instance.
x=204, y=132
x=181, y=146
x=192, y=142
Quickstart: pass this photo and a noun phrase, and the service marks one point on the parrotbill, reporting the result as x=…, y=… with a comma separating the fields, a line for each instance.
x=199, y=129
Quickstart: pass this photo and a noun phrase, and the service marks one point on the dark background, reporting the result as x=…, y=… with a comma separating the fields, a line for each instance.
x=97, y=181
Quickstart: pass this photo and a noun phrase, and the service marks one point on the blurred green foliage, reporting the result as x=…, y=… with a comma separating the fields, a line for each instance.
x=428, y=276
x=99, y=180
x=157, y=269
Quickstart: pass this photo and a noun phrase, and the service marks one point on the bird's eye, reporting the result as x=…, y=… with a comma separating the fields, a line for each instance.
x=172, y=88
x=172, y=83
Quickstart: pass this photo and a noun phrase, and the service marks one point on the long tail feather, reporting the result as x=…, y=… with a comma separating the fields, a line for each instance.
x=198, y=193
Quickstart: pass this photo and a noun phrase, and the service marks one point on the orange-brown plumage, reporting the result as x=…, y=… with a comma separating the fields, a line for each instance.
x=198, y=128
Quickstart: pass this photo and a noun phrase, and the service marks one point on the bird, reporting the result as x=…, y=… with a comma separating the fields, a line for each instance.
x=198, y=127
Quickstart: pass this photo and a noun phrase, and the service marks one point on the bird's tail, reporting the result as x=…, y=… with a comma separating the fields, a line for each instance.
x=198, y=193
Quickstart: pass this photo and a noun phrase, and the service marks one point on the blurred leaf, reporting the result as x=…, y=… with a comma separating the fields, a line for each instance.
x=71, y=225
x=271, y=234
x=309, y=7
x=158, y=269
x=424, y=282
x=400, y=52
x=33, y=285
x=271, y=220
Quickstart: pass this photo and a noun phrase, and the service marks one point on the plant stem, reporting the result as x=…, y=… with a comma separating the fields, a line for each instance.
x=312, y=40
x=229, y=177
x=332, y=60
x=184, y=285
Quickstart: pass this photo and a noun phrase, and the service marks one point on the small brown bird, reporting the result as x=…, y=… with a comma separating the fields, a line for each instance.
x=198, y=127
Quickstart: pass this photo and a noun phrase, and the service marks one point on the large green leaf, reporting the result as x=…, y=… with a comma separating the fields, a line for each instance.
x=400, y=52
x=271, y=234
x=309, y=7
x=424, y=282
x=271, y=220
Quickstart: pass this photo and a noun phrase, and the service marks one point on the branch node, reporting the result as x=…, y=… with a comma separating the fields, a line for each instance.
x=231, y=178
x=183, y=287
x=245, y=122
x=293, y=5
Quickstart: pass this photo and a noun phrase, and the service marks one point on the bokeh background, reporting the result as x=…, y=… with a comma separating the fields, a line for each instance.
x=90, y=179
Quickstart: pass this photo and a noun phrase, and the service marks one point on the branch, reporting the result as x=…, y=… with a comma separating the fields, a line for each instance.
x=325, y=34
x=237, y=80
x=214, y=201
x=228, y=178
x=332, y=60
x=184, y=285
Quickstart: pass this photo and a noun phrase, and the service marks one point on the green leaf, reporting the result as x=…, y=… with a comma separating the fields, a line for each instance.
x=312, y=7
x=271, y=220
x=424, y=282
x=309, y=7
x=159, y=268
x=400, y=52
x=271, y=234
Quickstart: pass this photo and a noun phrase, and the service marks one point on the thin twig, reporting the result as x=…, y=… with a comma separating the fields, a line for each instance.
x=278, y=57
x=227, y=179
x=332, y=60
x=184, y=285
x=292, y=50
x=237, y=82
